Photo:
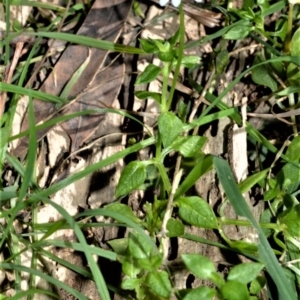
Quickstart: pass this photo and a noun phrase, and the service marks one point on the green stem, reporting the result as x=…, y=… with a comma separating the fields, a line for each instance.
x=180, y=55
x=164, y=176
x=165, y=73
x=287, y=42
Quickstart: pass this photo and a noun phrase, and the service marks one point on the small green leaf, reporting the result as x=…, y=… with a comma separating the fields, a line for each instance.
x=151, y=263
x=200, y=293
x=245, y=273
x=148, y=46
x=201, y=166
x=295, y=43
x=238, y=32
x=129, y=267
x=234, y=290
x=130, y=283
x=159, y=283
x=133, y=175
x=199, y=265
x=291, y=219
x=119, y=245
x=149, y=74
x=175, y=228
x=190, y=61
x=196, y=211
x=146, y=95
x=289, y=178
x=262, y=76
x=292, y=151
x=169, y=126
x=138, y=247
x=125, y=210
x=222, y=60
x=188, y=146
x=174, y=38
x=166, y=56
x=257, y=284
x=182, y=111
x=293, y=74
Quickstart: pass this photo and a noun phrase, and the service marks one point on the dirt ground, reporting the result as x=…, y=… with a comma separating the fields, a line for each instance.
x=65, y=151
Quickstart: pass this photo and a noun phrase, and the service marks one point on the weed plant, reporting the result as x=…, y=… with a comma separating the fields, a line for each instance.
x=273, y=262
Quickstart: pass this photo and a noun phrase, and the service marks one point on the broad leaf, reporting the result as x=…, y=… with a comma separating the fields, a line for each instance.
x=196, y=211
x=133, y=175
x=149, y=74
x=234, y=290
x=245, y=273
x=201, y=266
x=169, y=126
x=159, y=283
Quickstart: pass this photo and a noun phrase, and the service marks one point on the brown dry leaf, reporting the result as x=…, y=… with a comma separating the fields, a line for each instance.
x=104, y=21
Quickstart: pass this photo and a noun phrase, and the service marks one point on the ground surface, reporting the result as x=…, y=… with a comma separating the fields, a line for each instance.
x=108, y=81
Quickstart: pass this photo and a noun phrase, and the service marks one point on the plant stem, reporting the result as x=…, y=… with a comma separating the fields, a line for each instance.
x=180, y=55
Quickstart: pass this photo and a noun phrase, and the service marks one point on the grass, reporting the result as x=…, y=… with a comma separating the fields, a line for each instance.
x=166, y=177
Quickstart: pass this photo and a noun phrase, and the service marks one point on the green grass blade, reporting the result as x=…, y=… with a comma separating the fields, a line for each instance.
x=86, y=41
x=95, y=167
x=97, y=275
x=13, y=267
x=22, y=294
x=11, y=88
x=242, y=209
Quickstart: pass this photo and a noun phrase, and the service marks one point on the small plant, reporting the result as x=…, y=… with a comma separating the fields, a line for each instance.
x=176, y=163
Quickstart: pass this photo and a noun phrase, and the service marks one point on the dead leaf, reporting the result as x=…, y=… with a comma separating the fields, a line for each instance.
x=104, y=21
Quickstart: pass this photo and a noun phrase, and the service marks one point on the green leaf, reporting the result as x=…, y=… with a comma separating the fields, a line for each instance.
x=166, y=56
x=245, y=273
x=291, y=219
x=190, y=61
x=146, y=95
x=238, y=32
x=182, y=111
x=289, y=178
x=159, y=283
x=169, y=126
x=138, y=246
x=199, y=265
x=119, y=245
x=188, y=146
x=125, y=210
x=203, y=165
x=293, y=70
x=222, y=60
x=200, y=293
x=293, y=74
x=292, y=151
x=148, y=46
x=234, y=290
x=266, y=254
x=257, y=284
x=196, y=211
x=149, y=74
x=133, y=175
x=130, y=268
x=174, y=38
x=250, y=181
x=130, y=283
x=151, y=263
x=175, y=228
x=262, y=76
x=295, y=43
x=244, y=246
